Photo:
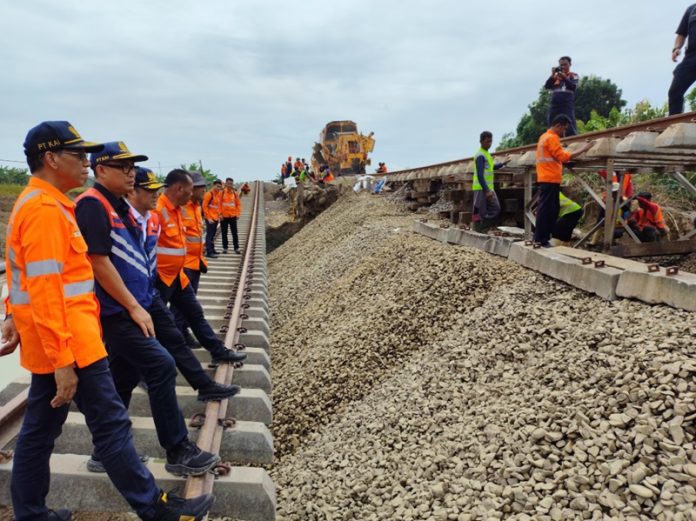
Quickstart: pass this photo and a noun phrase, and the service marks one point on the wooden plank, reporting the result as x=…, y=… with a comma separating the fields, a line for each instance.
x=655, y=248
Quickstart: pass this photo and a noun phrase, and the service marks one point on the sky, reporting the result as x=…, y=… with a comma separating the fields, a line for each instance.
x=240, y=85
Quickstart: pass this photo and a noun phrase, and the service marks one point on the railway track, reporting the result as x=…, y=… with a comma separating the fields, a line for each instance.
x=234, y=296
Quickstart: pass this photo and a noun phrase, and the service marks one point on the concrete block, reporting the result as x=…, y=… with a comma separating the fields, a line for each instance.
x=600, y=281
x=249, y=405
x=247, y=493
x=488, y=243
x=678, y=291
x=257, y=324
x=255, y=338
x=248, y=443
x=255, y=356
x=602, y=148
x=430, y=230
x=678, y=135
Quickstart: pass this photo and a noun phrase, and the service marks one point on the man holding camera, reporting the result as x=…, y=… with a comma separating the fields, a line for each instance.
x=562, y=83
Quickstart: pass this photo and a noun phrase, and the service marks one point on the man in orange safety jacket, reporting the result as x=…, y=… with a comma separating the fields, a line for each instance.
x=231, y=209
x=212, y=212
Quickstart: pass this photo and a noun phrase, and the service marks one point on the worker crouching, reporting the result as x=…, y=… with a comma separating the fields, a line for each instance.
x=647, y=222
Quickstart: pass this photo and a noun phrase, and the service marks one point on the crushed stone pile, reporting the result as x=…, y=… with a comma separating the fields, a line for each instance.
x=464, y=387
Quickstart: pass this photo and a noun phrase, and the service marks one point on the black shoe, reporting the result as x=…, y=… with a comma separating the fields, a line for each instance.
x=191, y=340
x=186, y=459
x=95, y=465
x=211, y=255
x=216, y=391
x=62, y=514
x=174, y=508
x=224, y=250
x=229, y=357
x=237, y=251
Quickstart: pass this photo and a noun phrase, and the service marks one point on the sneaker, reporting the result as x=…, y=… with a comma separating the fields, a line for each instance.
x=216, y=391
x=186, y=459
x=191, y=340
x=237, y=251
x=62, y=514
x=229, y=357
x=95, y=465
x=170, y=507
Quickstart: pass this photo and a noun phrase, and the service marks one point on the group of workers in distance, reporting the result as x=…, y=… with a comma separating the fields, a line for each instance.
x=302, y=172
x=90, y=283
x=222, y=205
x=556, y=214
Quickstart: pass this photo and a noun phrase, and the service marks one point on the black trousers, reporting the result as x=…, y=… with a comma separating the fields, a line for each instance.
x=231, y=223
x=683, y=77
x=547, y=211
x=647, y=234
x=563, y=231
x=210, y=229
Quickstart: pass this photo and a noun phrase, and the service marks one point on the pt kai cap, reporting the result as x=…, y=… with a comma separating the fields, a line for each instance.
x=114, y=151
x=146, y=179
x=56, y=135
x=198, y=179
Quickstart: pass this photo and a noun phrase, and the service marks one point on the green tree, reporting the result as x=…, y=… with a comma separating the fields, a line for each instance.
x=13, y=176
x=600, y=95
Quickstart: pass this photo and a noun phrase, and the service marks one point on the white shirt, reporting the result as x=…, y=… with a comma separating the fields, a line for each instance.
x=141, y=220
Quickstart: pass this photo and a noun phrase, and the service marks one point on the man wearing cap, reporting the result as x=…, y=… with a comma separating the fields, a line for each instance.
x=124, y=269
x=53, y=309
x=172, y=282
x=212, y=202
x=231, y=208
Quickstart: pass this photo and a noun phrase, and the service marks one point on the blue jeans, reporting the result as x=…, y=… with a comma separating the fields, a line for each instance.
x=170, y=336
x=107, y=420
x=210, y=229
x=133, y=357
x=185, y=301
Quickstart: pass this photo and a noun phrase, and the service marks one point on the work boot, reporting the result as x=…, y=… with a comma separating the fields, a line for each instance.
x=62, y=514
x=228, y=357
x=191, y=340
x=216, y=391
x=237, y=251
x=94, y=464
x=186, y=459
x=174, y=508
x=211, y=255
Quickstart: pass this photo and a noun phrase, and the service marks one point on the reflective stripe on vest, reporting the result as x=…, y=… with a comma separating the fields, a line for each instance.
x=176, y=252
x=567, y=205
x=194, y=240
x=487, y=173
x=541, y=156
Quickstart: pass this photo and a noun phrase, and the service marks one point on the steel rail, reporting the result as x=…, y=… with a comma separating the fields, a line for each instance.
x=652, y=125
x=210, y=437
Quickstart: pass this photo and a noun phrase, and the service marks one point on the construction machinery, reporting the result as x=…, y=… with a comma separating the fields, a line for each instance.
x=342, y=148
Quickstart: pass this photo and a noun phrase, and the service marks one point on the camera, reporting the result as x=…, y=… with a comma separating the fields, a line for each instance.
x=557, y=70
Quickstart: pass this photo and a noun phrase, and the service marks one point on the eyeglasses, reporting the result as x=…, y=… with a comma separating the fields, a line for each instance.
x=81, y=156
x=126, y=168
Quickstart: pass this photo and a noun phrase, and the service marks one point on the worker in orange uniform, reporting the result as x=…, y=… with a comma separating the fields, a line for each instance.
x=211, y=207
x=647, y=222
x=195, y=262
x=172, y=282
x=382, y=168
x=550, y=157
x=231, y=209
x=53, y=309
x=245, y=189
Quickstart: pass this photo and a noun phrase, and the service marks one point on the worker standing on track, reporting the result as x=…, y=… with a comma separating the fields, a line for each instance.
x=124, y=264
x=245, y=189
x=486, y=204
x=53, y=310
x=550, y=157
x=195, y=262
x=212, y=202
x=685, y=72
x=563, y=83
x=231, y=209
x=172, y=283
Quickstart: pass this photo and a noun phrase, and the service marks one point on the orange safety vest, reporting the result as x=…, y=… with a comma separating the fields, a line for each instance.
x=550, y=157
x=329, y=177
x=51, y=282
x=212, y=202
x=231, y=205
x=171, y=244
x=193, y=222
x=645, y=218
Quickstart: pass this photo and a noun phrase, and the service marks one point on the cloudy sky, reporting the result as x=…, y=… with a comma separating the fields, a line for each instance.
x=242, y=84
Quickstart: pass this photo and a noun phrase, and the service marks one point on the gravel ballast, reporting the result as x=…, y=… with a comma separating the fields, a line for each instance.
x=416, y=380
